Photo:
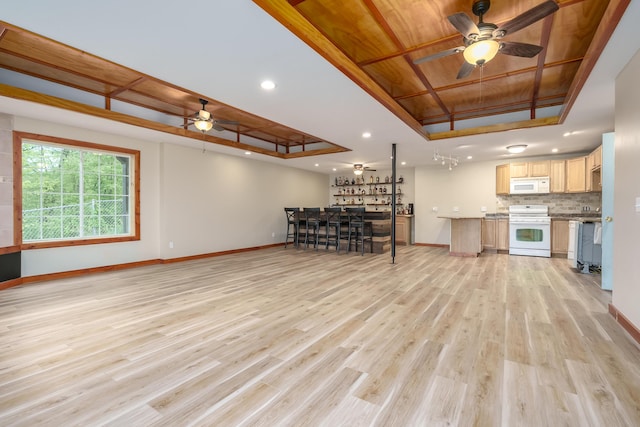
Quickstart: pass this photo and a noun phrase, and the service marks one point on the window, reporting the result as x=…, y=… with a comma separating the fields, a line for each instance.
x=76, y=192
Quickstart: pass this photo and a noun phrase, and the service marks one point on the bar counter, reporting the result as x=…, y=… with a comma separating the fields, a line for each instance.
x=381, y=226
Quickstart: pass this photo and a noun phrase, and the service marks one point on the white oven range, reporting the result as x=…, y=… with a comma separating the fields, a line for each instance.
x=529, y=230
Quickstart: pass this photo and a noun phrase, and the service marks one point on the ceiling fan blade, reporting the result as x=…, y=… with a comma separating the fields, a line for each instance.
x=218, y=127
x=442, y=54
x=527, y=18
x=463, y=23
x=465, y=70
x=524, y=50
x=225, y=122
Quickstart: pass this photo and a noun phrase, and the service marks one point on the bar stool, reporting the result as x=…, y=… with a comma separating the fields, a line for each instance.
x=293, y=225
x=312, y=226
x=358, y=227
x=333, y=226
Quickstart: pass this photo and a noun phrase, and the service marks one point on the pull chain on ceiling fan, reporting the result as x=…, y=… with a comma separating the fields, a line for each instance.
x=482, y=42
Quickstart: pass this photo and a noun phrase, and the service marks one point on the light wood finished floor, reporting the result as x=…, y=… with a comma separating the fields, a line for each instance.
x=290, y=337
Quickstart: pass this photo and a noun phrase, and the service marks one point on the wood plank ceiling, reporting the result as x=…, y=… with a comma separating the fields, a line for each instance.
x=27, y=53
x=375, y=43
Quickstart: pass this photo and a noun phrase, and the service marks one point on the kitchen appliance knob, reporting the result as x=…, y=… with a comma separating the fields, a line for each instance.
x=608, y=219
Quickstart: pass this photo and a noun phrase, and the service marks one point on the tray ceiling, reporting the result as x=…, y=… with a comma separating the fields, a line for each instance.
x=375, y=43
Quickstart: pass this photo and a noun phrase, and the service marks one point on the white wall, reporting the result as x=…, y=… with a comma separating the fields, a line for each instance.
x=469, y=187
x=203, y=202
x=626, y=234
x=214, y=202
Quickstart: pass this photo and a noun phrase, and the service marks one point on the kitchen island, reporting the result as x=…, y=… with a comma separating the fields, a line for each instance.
x=465, y=235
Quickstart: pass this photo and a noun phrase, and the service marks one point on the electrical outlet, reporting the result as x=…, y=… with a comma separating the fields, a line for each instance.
x=434, y=209
x=456, y=209
x=483, y=209
x=273, y=234
x=170, y=245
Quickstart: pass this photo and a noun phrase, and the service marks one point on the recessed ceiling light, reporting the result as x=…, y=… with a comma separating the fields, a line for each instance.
x=268, y=85
x=334, y=169
x=403, y=163
x=366, y=134
x=469, y=157
x=248, y=153
x=317, y=164
x=555, y=150
x=463, y=146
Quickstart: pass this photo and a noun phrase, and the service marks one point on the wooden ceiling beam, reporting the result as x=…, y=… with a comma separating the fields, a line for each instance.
x=502, y=127
x=288, y=16
x=135, y=82
x=52, y=101
x=537, y=81
x=396, y=41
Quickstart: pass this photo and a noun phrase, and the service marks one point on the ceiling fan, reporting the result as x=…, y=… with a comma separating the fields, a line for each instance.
x=483, y=41
x=204, y=122
x=359, y=168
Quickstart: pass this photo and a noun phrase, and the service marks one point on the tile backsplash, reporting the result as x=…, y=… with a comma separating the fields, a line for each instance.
x=566, y=203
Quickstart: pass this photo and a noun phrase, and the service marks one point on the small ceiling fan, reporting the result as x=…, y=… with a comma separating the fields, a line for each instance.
x=483, y=41
x=204, y=122
x=359, y=168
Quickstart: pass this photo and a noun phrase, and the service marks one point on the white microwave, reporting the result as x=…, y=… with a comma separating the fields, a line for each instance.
x=538, y=185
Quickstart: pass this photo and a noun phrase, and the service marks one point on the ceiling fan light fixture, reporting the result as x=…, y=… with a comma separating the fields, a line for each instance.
x=358, y=169
x=516, y=149
x=203, y=125
x=481, y=52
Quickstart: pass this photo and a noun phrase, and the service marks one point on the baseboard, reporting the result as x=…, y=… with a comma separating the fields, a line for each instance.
x=10, y=283
x=432, y=245
x=75, y=273
x=625, y=323
x=214, y=254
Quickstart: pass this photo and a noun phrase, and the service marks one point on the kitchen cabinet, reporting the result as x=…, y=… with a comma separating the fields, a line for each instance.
x=518, y=170
x=597, y=157
x=489, y=233
x=559, y=236
x=502, y=237
x=495, y=234
x=502, y=179
x=557, y=176
x=539, y=169
x=404, y=225
x=529, y=169
x=576, y=175
x=588, y=168
x=594, y=164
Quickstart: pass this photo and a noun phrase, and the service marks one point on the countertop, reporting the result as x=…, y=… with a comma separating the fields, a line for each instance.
x=460, y=217
x=578, y=216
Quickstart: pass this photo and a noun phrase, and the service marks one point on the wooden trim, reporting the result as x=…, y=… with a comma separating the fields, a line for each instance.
x=18, y=137
x=215, y=254
x=291, y=19
x=90, y=270
x=625, y=323
x=52, y=101
x=9, y=249
x=611, y=18
x=17, y=189
x=432, y=245
x=501, y=127
x=11, y=283
x=115, y=267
